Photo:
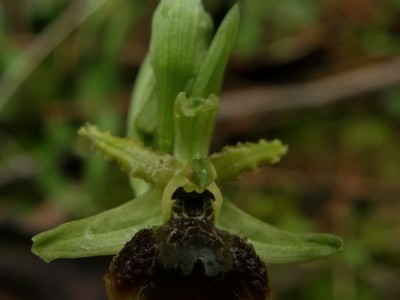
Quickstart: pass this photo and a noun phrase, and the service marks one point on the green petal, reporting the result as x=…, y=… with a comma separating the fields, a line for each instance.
x=135, y=159
x=232, y=161
x=102, y=234
x=210, y=75
x=181, y=33
x=275, y=245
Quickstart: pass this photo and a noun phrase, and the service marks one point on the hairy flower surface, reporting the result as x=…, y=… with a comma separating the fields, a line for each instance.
x=188, y=258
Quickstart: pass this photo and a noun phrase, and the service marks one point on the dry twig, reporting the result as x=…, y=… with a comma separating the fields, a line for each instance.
x=258, y=101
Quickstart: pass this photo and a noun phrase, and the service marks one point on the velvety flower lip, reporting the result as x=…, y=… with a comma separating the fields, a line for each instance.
x=186, y=257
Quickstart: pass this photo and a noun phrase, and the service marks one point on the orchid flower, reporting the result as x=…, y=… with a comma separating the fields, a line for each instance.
x=180, y=221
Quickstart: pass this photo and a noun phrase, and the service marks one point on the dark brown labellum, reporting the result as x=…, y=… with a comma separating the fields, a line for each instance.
x=187, y=258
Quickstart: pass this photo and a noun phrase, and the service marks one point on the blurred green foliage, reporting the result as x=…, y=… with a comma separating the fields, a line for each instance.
x=341, y=174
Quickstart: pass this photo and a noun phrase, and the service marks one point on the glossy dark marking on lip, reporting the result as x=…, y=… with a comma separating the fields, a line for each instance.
x=187, y=258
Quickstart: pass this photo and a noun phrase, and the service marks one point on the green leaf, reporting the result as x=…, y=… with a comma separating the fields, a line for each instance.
x=232, y=161
x=135, y=159
x=181, y=33
x=275, y=245
x=143, y=94
x=194, y=126
x=210, y=75
x=102, y=234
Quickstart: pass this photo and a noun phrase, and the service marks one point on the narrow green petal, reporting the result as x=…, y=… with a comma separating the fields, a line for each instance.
x=210, y=75
x=275, y=245
x=232, y=161
x=135, y=159
x=181, y=33
x=102, y=234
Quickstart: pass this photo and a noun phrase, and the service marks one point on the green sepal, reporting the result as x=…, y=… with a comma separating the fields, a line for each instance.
x=232, y=161
x=181, y=32
x=107, y=232
x=136, y=160
x=274, y=245
x=102, y=234
x=194, y=126
x=211, y=72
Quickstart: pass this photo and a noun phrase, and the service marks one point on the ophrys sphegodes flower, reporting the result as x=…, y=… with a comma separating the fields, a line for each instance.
x=181, y=237
x=188, y=258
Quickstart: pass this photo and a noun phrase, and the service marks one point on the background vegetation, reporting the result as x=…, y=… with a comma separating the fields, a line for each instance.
x=322, y=76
